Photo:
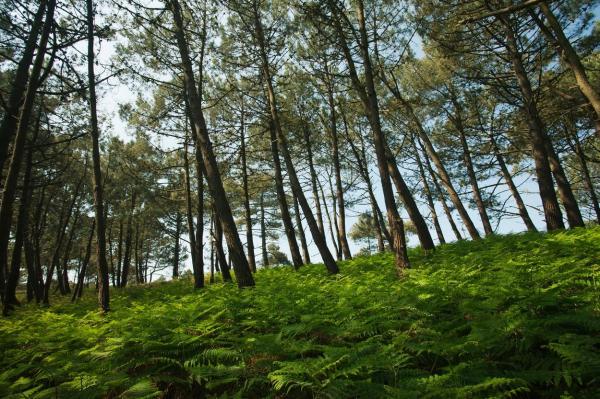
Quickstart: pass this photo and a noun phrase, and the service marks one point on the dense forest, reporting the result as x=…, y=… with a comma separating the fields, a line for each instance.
x=300, y=198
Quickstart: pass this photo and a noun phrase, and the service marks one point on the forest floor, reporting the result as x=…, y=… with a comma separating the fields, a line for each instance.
x=508, y=316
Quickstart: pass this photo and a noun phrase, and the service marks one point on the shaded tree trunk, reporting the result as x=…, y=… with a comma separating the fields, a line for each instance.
x=197, y=268
x=537, y=134
x=286, y=218
x=305, y=253
x=176, y=250
x=263, y=232
x=247, y=210
x=512, y=187
x=215, y=184
x=78, y=290
x=128, y=239
x=313, y=180
x=283, y=145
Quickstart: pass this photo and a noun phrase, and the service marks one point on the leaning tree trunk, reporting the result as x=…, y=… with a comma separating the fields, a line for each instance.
x=10, y=297
x=537, y=134
x=221, y=258
x=286, y=218
x=215, y=184
x=284, y=147
x=313, y=180
x=247, y=211
x=368, y=97
x=305, y=253
x=457, y=121
x=339, y=189
x=12, y=110
x=263, y=232
x=512, y=187
x=569, y=55
x=78, y=291
x=103, y=280
x=18, y=147
x=197, y=269
x=428, y=196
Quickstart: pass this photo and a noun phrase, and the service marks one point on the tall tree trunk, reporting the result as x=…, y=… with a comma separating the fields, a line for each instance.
x=440, y=195
x=283, y=145
x=10, y=297
x=128, y=238
x=78, y=291
x=119, y=253
x=587, y=179
x=221, y=258
x=263, y=232
x=18, y=147
x=339, y=189
x=330, y=223
x=428, y=196
x=215, y=184
x=12, y=112
x=248, y=212
x=569, y=55
x=565, y=192
x=457, y=120
x=178, y=222
x=313, y=179
x=305, y=253
x=368, y=96
x=103, y=281
x=537, y=134
x=197, y=269
x=339, y=253
x=67, y=254
x=286, y=218
x=511, y=186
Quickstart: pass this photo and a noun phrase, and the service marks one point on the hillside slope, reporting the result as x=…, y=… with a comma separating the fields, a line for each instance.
x=512, y=316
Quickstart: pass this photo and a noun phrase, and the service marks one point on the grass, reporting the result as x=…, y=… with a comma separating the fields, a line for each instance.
x=510, y=316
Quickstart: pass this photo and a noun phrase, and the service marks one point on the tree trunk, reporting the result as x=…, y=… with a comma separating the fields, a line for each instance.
x=248, y=212
x=313, y=180
x=221, y=258
x=305, y=253
x=283, y=145
x=564, y=188
x=286, y=218
x=215, y=184
x=338, y=248
x=440, y=194
x=457, y=120
x=119, y=253
x=569, y=55
x=178, y=221
x=197, y=269
x=587, y=179
x=128, y=238
x=103, y=281
x=512, y=187
x=78, y=291
x=537, y=134
x=368, y=96
x=263, y=232
x=428, y=196
x=329, y=222
x=10, y=297
x=18, y=147
x=12, y=111
x=339, y=189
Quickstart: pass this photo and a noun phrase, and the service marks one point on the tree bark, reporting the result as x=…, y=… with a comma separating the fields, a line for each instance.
x=286, y=218
x=78, y=291
x=368, y=97
x=12, y=112
x=197, y=269
x=428, y=196
x=283, y=145
x=263, y=232
x=305, y=253
x=215, y=184
x=537, y=134
x=569, y=55
x=128, y=238
x=512, y=187
x=18, y=148
x=103, y=280
x=313, y=180
x=178, y=221
x=247, y=210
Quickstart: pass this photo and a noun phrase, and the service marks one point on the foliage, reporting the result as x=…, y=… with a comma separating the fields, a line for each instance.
x=509, y=316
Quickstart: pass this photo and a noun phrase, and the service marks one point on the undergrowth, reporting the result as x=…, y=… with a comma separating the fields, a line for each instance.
x=506, y=317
